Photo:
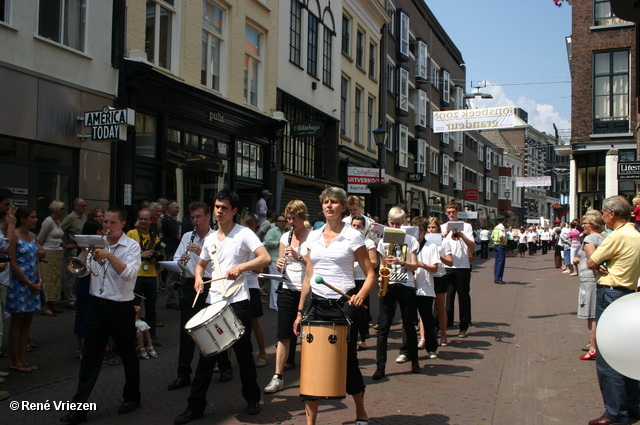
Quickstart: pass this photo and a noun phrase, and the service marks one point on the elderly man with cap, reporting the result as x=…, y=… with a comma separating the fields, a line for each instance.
x=261, y=206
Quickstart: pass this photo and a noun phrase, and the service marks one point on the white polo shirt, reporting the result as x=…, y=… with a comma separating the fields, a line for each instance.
x=424, y=280
x=459, y=248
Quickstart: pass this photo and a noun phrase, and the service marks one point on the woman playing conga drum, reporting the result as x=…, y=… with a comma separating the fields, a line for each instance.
x=332, y=250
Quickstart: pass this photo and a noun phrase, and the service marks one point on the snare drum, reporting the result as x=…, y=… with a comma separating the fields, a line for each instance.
x=323, y=365
x=215, y=328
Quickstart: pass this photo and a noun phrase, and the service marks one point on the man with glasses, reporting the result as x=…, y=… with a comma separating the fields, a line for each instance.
x=617, y=269
x=188, y=253
x=72, y=226
x=272, y=243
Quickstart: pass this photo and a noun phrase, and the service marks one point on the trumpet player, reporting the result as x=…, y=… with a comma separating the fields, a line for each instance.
x=111, y=313
x=188, y=253
x=459, y=275
x=403, y=261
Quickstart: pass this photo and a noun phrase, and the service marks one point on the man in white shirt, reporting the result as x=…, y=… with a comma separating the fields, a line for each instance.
x=403, y=261
x=459, y=275
x=111, y=313
x=188, y=253
x=261, y=206
x=233, y=245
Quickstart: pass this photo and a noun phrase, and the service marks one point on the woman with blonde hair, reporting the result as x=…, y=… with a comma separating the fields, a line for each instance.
x=291, y=263
x=50, y=238
x=593, y=227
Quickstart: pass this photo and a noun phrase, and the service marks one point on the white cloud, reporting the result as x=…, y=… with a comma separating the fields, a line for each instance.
x=542, y=116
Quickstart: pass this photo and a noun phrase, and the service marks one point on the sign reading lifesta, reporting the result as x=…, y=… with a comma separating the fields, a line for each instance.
x=110, y=123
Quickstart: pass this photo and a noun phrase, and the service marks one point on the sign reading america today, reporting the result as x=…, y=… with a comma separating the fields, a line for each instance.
x=473, y=119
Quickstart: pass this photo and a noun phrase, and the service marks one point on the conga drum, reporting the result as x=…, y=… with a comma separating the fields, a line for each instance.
x=323, y=365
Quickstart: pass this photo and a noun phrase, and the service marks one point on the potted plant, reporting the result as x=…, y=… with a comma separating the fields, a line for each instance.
x=558, y=207
x=380, y=188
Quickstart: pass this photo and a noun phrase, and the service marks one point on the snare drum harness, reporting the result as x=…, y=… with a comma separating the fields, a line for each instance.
x=226, y=293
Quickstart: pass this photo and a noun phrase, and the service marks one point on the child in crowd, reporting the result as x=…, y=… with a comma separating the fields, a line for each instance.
x=143, y=335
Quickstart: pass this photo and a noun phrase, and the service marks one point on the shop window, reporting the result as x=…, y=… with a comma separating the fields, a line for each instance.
x=252, y=67
x=159, y=33
x=174, y=136
x=146, y=136
x=61, y=21
x=249, y=160
x=212, y=45
x=295, y=31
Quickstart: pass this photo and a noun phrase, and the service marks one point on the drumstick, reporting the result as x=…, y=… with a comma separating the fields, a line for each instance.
x=195, y=299
x=206, y=281
x=319, y=279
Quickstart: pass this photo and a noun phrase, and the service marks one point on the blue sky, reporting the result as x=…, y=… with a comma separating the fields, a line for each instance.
x=517, y=47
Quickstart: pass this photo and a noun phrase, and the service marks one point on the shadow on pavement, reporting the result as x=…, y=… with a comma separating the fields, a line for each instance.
x=544, y=316
x=408, y=419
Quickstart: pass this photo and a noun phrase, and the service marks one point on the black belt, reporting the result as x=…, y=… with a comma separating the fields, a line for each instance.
x=619, y=288
x=107, y=302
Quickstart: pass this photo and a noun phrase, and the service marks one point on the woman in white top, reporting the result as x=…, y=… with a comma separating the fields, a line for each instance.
x=50, y=237
x=332, y=252
x=440, y=281
x=359, y=223
x=291, y=263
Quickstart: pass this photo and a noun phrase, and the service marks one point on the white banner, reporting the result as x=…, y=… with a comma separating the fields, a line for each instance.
x=533, y=181
x=358, y=178
x=473, y=119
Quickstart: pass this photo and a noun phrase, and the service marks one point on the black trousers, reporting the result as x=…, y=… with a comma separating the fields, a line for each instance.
x=319, y=308
x=244, y=356
x=104, y=319
x=187, y=344
x=484, y=250
x=406, y=297
x=459, y=281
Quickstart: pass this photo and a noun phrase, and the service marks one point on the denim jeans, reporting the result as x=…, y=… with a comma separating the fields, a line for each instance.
x=621, y=395
x=498, y=267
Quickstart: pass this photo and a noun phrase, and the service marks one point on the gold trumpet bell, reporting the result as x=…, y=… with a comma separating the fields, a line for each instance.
x=77, y=265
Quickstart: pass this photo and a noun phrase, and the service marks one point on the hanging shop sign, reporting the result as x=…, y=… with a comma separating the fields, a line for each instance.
x=358, y=178
x=473, y=119
x=109, y=123
x=307, y=129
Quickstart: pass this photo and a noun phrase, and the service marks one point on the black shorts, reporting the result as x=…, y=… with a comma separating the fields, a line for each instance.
x=256, y=303
x=287, y=312
x=440, y=285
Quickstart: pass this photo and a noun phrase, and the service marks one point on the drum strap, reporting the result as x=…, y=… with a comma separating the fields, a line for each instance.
x=225, y=292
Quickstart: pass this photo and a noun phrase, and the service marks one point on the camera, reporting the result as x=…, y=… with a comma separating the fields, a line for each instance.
x=156, y=256
x=4, y=258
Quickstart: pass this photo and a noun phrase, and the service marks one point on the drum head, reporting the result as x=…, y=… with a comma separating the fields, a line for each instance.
x=206, y=314
x=324, y=323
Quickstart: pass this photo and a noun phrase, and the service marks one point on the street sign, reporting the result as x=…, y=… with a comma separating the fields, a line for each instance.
x=561, y=170
x=110, y=123
x=471, y=194
x=629, y=170
x=358, y=178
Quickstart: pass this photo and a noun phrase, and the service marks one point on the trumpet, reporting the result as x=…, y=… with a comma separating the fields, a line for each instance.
x=79, y=265
x=455, y=234
x=385, y=273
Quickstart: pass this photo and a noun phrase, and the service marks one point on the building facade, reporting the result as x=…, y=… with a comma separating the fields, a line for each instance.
x=602, y=57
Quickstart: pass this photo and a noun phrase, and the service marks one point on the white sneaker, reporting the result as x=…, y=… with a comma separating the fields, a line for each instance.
x=567, y=271
x=275, y=385
x=432, y=355
x=402, y=359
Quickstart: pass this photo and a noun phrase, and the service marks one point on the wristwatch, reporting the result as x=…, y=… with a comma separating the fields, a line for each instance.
x=299, y=258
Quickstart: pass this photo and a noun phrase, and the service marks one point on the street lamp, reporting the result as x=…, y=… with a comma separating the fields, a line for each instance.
x=380, y=136
x=507, y=193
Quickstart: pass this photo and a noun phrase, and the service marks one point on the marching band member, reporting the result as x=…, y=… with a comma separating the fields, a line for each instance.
x=291, y=262
x=231, y=247
x=332, y=251
x=459, y=275
x=401, y=290
x=188, y=253
x=111, y=313
x=354, y=205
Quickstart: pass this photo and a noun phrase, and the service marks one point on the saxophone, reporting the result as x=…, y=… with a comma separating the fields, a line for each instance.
x=385, y=273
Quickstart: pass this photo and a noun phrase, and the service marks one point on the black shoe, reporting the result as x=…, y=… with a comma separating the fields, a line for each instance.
x=253, y=408
x=187, y=416
x=75, y=417
x=226, y=376
x=499, y=282
x=289, y=366
x=128, y=407
x=179, y=383
x=379, y=374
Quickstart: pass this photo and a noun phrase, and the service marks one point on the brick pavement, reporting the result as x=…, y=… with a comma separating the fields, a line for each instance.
x=519, y=366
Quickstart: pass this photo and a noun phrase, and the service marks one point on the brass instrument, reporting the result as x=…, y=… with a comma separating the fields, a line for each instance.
x=385, y=273
x=79, y=265
x=455, y=234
